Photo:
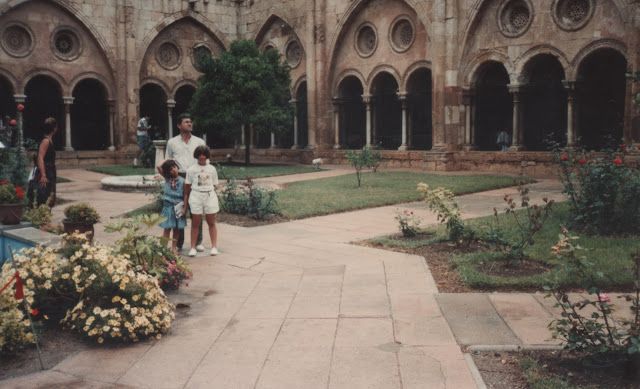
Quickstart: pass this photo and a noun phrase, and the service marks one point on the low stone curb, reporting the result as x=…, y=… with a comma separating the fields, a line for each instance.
x=475, y=373
x=512, y=347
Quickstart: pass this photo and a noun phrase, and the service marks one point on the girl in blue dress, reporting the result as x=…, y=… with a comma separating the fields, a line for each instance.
x=173, y=194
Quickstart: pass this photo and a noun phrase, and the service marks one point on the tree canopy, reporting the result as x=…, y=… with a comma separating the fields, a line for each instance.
x=243, y=88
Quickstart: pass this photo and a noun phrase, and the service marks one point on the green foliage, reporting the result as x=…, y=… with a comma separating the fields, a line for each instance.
x=10, y=194
x=538, y=379
x=367, y=158
x=586, y=324
x=39, y=216
x=249, y=199
x=13, y=159
x=635, y=77
x=602, y=190
x=81, y=213
x=527, y=225
x=408, y=223
x=150, y=253
x=248, y=88
x=442, y=202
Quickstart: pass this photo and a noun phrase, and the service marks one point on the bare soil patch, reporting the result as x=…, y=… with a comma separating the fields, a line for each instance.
x=526, y=267
x=246, y=221
x=505, y=371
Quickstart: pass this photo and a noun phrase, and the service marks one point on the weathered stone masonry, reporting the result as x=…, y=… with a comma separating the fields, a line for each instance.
x=430, y=82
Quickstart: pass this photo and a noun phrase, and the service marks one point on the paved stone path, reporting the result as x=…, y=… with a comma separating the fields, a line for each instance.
x=296, y=305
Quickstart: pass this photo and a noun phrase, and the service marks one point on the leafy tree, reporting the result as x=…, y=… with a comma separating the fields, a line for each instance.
x=243, y=89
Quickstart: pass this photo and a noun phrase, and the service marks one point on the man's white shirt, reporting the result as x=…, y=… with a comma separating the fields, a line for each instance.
x=182, y=152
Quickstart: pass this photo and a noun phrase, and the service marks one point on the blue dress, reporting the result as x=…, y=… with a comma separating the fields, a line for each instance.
x=171, y=197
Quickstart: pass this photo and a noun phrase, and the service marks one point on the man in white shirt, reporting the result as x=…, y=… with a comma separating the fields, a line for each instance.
x=180, y=148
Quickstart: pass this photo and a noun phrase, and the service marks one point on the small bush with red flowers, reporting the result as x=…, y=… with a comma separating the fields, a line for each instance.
x=11, y=194
x=603, y=190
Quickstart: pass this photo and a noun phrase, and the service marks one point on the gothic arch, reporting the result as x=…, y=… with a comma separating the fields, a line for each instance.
x=470, y=71
x=92, y=75
x=383, y=69
x=522, y=61
x=595, y=46
x=410, y=70
x=83, y=20
x=64, y=87
x=345, y=74
x=207, y=24
x=478, y=5
x=181, y=84
x=296, y=85
x=273, y=18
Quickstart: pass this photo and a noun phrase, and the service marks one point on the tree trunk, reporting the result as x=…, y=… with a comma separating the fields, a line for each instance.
x=247, y=145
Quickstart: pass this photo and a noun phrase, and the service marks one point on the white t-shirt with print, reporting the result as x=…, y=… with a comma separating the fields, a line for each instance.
x=202, y=178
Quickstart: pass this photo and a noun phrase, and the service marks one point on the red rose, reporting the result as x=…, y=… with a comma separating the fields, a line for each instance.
x=582, y=161
x=35, y=312
x=13, y=122
x=564, y=157
x=617, y=161
x=20, y=107
x=19, y=193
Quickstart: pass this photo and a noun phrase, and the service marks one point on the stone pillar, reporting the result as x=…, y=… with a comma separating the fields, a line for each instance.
x=20, y=99
x=516, y=136
x=273, y=141
x=161, y=146
x=111, y=104
x=68, y=100
x=294, y=104
x=171, y=104
x=467, y=102
x=243, y=143
x=367, y=102
x=252, y=137
x=570, y=87
x=403, y=101
x=336, y=123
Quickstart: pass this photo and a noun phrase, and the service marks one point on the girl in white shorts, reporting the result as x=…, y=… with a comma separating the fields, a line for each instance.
x=200, y=196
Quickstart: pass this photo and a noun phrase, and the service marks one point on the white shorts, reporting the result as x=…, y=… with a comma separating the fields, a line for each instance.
x=203, y=203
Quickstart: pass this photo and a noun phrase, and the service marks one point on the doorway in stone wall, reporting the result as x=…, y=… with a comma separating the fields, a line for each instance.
x=89, y=116
x=544, y=104
x=387, y=112
x=419, y=110
x=601, y=88
x=153, y=104
x=352, y=113
x=493, y=104
x=44, y=99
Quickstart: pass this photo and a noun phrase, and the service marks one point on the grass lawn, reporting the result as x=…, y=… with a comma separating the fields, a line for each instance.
x=231, y=171
x=610, y=255
x=337, y=194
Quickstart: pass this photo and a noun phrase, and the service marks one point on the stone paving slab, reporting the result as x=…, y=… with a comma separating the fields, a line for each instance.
x=474, y=320
x=526, y=318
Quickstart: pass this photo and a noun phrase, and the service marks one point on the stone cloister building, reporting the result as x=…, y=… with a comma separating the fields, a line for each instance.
x=431, y=82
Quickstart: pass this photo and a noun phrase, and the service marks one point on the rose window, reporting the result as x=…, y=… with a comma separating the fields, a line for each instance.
x=17, y=41
x=366, y=41
x=293, y=54
x=402, y=35
x=514, y=17
x=168, y=55
x=572, y=14
x=66, y=44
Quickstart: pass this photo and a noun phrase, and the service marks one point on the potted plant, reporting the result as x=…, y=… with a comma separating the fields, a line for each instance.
x=11, y=202
x=80, y=217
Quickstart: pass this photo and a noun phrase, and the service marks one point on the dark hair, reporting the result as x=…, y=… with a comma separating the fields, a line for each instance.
x=166, y=167
x=184, y=116
x=202, y=150
x=50, y=125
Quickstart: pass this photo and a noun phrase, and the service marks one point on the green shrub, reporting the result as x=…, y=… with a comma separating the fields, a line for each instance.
x=39, y=216
x=366, y=158
x=442, y=202
x=10, y=194
x=249, y=199
x=81, y=213
x=602, y=190
x=408, y=223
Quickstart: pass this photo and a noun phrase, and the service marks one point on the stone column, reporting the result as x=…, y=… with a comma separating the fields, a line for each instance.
x=294, y=104
x=336, y=123
x=111, y=104
x=367, y=102
x=171, y=104
x=243, y=143
x=161, y=146
x=467, y=102
x=68, y=100
x=570, y=87
x=403, y=101
x=20, y=99
x=516, y=136
x=273, y=141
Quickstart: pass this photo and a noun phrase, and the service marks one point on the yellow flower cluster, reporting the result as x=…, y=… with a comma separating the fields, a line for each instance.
x=15, y=330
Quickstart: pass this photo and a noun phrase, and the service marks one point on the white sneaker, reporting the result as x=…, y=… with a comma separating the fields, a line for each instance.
x=214, y=251
x=192, y=252
x=200, y=248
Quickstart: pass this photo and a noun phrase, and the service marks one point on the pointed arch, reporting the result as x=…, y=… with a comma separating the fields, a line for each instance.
x=268, y=23
x=297, y=83
x=205, y=23
x=76, y=13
